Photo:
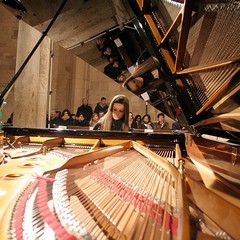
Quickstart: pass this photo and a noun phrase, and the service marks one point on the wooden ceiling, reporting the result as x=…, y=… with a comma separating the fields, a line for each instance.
x=78, y=25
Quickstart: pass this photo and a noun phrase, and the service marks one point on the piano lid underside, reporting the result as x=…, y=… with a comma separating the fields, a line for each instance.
x=201, y=50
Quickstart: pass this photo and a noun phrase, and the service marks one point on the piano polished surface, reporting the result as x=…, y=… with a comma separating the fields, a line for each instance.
x=196, y=172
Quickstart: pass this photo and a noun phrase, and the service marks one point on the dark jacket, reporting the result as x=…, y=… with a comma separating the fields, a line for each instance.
x=86, y=110
x=164, y=126
x=116, y=125
x=100, y=108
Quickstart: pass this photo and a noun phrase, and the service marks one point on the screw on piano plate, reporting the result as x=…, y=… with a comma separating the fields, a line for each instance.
x=44, y=150
x=20, y=144
x=181, y=167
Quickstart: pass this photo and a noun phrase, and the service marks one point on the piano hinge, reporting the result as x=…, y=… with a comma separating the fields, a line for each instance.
x=234, y=155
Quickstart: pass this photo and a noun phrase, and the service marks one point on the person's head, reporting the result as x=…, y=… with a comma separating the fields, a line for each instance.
x=101, y=114
x=123, y=76
x=146, y=118
x=160, y=117
x=103, y=101
x=135, y=82
x=138, y=118
x=81, y=117
x=85, y=101
x=115, y=64
x=107, y=51
x=100, y=43
x=66, y=114
x=53, y=114
x=130, y=116
x=58, y=114
x=73, y=116
x=118, y=110
x=95, y=117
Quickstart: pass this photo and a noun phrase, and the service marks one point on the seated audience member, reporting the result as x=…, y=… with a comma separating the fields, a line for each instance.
x=58, y=114
x=101, y=114
x=94, y=119
x=66, y=119
x=113, y=69
x=161, y=124
x=55, y=119
x=101, y=106
x=108, y=52
x=74, y=117
x=85, y=109
x=81, y=121
x=146, y=122
x=131, y=118
x=117, y=116
x=101, y=43
x=136, y=124
x=122, y=76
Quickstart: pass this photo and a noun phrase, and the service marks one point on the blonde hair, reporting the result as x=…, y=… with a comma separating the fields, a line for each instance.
x=106, y=121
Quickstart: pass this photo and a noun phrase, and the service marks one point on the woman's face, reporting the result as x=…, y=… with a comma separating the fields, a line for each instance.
x=95, y=117
x=135, y=84
x=117, y=111
x=146, y=119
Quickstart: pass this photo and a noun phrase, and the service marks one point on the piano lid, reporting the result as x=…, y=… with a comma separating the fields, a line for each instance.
x=197, y=44
x=186, y=53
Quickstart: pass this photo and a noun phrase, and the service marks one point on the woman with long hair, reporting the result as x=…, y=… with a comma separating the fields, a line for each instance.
x=117, y=116
x=136, y=124
x=144, y=76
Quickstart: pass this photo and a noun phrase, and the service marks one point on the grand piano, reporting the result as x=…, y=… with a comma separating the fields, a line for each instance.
x=175, y=184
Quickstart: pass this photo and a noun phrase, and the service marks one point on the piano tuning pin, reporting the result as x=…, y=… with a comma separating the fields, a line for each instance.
x=19, y=144
x=181, y=167
x=44, y=150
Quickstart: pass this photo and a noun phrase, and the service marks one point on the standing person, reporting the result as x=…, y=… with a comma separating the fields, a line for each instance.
x=161, y=124
x=146, y=122
x=101, y=106
x=117, y=116
x=85, y=109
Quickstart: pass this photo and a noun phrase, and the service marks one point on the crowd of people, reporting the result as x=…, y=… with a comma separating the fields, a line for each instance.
x=113, y=116
x=115, y=64
x=146, y=74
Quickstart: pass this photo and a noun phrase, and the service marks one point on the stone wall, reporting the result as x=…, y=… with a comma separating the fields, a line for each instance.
x=8, y=48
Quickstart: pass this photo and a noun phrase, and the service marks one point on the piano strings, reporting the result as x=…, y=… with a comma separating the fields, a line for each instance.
x=107, y=199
